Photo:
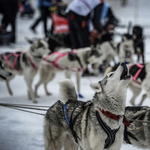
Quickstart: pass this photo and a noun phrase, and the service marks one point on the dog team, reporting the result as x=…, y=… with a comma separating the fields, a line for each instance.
x=105, y=121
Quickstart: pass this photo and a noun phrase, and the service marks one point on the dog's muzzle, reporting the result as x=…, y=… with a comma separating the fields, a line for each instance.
x=124, y=74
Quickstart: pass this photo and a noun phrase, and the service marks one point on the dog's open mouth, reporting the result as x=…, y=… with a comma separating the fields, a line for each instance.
x=124, y=74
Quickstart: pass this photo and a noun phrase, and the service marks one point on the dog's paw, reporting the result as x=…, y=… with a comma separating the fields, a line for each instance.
x=80, y=95
x=35, y=101
x=48, y=93
x=132, y=103
x=37, y=96
x=11, y=93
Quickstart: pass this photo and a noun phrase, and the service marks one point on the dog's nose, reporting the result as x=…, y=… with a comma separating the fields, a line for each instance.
x=123, y=65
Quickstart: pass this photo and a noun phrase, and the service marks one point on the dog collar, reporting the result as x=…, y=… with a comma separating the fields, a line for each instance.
x=121, y=119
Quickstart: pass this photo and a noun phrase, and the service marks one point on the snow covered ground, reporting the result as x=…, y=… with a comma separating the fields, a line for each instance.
x=24, y=131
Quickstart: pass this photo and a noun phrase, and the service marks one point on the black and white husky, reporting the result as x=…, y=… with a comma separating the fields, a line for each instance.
x=75, y=61
x=93, y=125
x=26, y=63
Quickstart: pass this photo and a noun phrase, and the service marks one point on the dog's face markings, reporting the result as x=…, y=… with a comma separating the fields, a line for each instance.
x=94, y=56
x=114, y=83
x=40, y=48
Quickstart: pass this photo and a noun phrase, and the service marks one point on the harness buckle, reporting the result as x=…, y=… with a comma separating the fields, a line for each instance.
x=120, y=120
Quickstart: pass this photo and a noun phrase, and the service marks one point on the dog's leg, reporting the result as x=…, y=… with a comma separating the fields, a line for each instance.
x=143, y=98
x=69, y=143
x=7, y=84
x=68, y=74
x=78, y=77
x=136, y=91
x=29, y=96
x=50, y=78
x=29, y=78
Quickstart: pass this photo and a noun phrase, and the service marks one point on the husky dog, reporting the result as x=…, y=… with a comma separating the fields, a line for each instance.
x=68, y=61
x=26, y=63
x=111, y=49
x=139, y=135
x=89, y=124
x=140, y=80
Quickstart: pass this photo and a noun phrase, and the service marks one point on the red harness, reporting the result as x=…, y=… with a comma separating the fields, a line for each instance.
x=60, y=55
x=15, y=60
x=116, y=117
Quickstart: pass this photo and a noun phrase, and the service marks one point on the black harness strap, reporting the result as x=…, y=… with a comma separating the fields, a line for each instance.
x=71, y=121
x=115, y=48
x=74, y=56
x=126, y=134
x=110, y=133
x=1, y=76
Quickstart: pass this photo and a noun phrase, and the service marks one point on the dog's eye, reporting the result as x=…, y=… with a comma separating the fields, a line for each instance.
x=111, y=75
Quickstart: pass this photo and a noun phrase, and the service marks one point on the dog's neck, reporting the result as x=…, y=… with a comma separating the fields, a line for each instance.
x=110, y=104
x=37, y=59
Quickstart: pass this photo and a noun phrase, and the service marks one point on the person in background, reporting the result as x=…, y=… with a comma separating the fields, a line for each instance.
x=43, y=6
x=80, y=12
x=9, y=9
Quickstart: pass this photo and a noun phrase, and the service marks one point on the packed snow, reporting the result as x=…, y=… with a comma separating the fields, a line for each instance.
x=24, y=131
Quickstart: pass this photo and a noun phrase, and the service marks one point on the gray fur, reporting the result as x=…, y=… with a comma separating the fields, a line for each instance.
x=110, y=97
x=142, y=131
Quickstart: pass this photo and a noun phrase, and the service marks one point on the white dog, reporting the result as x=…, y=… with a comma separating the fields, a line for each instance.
x=93, y=125
x=26, y=63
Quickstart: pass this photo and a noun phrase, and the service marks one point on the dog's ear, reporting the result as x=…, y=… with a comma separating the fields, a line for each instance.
x=96, y=87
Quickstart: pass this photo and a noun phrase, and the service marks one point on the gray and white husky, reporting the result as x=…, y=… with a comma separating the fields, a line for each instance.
x=66, y=60
x=91, y=125
x=26, y=63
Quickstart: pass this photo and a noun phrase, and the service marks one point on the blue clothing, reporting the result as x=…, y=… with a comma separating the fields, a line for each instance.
x=44, y=3
x=105, y=9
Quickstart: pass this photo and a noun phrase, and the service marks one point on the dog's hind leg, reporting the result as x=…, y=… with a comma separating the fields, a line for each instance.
x=50, y=78
x=69, y=143
x=68, y=74
x=143, y=98
x=136, y=91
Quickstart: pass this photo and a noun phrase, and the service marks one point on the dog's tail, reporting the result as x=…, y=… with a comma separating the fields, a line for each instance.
x=67, y=90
